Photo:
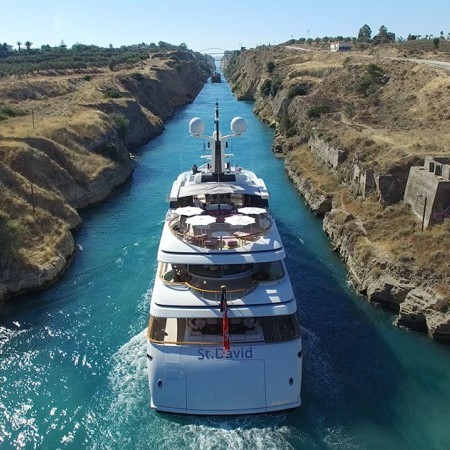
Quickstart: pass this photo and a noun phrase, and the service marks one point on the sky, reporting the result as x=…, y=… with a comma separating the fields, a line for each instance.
x=207, y=24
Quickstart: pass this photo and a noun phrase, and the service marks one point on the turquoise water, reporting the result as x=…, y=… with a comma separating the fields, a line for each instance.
x=73, y=367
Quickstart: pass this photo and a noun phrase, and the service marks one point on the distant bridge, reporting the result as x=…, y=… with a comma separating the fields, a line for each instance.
x=216, y=53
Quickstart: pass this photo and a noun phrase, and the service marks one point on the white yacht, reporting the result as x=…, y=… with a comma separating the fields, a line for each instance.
x=223, y=335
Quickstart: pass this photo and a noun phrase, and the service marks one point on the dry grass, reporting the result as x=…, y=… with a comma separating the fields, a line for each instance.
x=396, y=232
x=304, y=162
x=403, y=119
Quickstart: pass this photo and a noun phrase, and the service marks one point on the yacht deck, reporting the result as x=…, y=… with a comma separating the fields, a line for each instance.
x=220, y=229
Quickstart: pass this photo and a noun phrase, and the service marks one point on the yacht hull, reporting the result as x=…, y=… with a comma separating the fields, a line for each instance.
x=206, y=380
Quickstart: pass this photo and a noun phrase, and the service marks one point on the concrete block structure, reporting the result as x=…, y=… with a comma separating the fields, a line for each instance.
x=340, y=46
x=428, y=189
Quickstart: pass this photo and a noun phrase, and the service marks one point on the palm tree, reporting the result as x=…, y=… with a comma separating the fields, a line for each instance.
x=19, y=44
x=28, y=44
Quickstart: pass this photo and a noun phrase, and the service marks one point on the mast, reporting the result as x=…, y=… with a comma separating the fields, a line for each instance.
x=218, y=170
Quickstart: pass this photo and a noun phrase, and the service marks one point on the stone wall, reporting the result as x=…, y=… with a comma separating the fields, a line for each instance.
x=331, y=156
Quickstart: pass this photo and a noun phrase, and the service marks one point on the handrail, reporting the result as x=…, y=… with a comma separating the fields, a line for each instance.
x=250, y=237
x=209, y=291
x=176, y=342
x=219, y=342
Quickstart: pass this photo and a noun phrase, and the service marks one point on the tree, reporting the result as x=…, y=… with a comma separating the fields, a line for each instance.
x=4, y=48
x=364, y=34
x=383, y=33
x=19, y=44
x=28, y=45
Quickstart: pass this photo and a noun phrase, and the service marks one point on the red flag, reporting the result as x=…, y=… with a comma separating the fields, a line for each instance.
x=225, y=322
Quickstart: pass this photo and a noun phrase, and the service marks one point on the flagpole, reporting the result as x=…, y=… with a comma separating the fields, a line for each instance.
x=225, y=322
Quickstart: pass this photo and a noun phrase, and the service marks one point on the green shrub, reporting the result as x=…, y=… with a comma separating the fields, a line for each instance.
x=275, y=86
x=137, y=76
x=9, y=111
x=270, y=66
x=121, y=124
x=112, y=92
x=315, y=111
x=298, y=89
x=366, y=85
x=374, y=71
x=350, y=110
x=111, y=151
x=12, y=236
x=266, y=87
x=370, y=82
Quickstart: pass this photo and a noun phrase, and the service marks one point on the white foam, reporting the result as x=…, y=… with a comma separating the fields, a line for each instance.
x=129, y=422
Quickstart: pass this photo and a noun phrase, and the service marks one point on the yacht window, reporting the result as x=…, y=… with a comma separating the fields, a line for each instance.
x=218, y=271
x=280, y=328
x=269, y=271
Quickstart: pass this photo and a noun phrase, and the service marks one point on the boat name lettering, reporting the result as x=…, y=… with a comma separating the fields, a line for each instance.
x=220, y=353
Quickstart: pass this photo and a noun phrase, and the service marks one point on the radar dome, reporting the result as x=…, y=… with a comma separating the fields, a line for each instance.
x=238, y=125
x=196, y=126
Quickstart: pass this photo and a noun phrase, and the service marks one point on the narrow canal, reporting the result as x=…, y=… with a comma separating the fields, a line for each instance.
x=72, y=361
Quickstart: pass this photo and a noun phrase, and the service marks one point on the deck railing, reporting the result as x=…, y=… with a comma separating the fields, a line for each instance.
x=208, y=294
x=228, y=239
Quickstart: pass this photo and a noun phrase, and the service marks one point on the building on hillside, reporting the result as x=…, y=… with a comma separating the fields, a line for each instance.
x=340, y=46
x=428, y=190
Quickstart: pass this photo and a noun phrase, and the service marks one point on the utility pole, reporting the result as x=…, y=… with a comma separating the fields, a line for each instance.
x=32, y=197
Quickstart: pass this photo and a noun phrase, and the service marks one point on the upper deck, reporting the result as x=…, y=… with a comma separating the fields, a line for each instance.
x=219, y=214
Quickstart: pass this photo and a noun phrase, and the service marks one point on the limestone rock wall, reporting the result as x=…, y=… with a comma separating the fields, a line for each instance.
x=370, y=269
x=80, y=154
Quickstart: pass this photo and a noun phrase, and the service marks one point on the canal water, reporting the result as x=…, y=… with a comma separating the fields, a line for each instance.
x=72, y=361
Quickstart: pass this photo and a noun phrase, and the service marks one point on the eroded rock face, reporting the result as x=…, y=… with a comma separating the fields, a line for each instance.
x=438, y=325
x=82, y=154
x=388, y=291
x=318, y=202
x=372, y=271
x=420, y=309
x=413, y=310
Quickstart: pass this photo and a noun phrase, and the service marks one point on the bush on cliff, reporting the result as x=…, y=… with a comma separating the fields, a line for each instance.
x=371, y=81
x=270, y=66
x=12, y=234
x=9, y=111
x=315, y=111
x=297, y=89
x=121, y=123
x=265, y=87
x=111, y=152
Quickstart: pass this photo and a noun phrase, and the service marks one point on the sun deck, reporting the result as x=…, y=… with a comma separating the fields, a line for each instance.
x=222, y=228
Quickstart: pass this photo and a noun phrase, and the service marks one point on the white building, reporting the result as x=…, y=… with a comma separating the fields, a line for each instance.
x=340, y=46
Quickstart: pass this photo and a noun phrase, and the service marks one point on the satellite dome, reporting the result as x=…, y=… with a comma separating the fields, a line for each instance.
x=196, y=126
x=238, y=125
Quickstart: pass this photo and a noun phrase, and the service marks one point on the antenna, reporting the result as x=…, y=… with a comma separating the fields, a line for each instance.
x=217, y=145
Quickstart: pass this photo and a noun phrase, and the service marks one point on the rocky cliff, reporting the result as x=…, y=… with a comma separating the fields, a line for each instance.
x=350, y=126
x=70, y=148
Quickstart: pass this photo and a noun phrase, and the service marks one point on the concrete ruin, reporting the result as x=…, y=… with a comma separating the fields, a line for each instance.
x=428, y=189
